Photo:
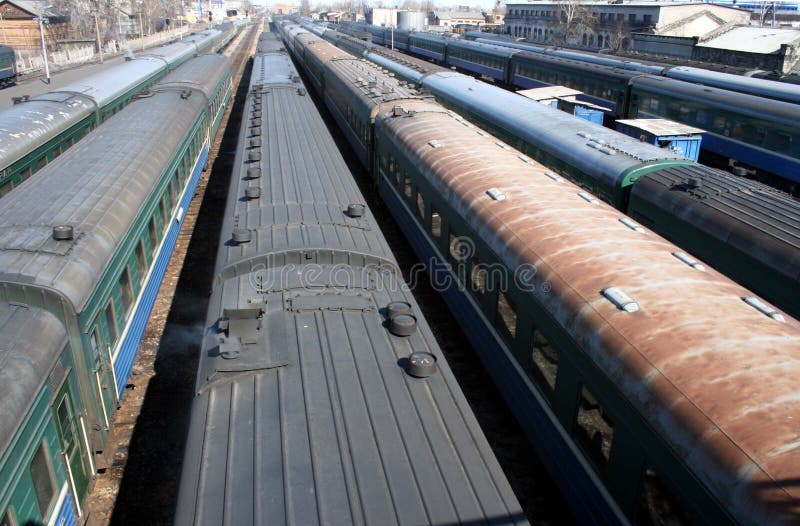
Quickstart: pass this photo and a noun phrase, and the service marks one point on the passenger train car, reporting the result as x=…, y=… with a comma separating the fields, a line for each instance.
x=84, y=244
x=8, y=66
x=322, y=395
x=38, y=129
x=654, y=388
x=754, y=126
x=742, y=228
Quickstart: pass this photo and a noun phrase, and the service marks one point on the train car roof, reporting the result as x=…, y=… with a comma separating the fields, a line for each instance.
x=26, y=125
x=760, y=87
x=98, y=187
x=202, y=73
x=751, y=217
x=301, y=212
x=31, y=341
x=317, y=422
x=370, y=84
x=608, y=71
x=311, y=417
x=595, y=150
x=712, y=375
x=489, y=49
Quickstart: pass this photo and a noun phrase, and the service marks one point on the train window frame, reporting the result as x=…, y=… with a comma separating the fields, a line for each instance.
x=545, y=380
x=421, y=206
x=8, y=518
x=111, y=322
x=501, y=321
x=164, y=213
x=141, y=260
x=436, y=226
x=599, y=454
x=126, y=290
x=666, y=495
x=43, y=452
x=152, y=232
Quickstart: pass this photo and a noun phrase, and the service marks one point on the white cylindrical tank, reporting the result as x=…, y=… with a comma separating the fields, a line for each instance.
x=411, y=20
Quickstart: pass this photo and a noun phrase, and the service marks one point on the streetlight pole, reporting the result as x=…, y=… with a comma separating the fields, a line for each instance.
x=42, y=20
x=97, y=35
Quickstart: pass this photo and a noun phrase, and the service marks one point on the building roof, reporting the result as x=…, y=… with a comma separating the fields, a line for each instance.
x=661, y=127
x=449, y=15
x=35, y=7
x=549, y=92
x=763, y=40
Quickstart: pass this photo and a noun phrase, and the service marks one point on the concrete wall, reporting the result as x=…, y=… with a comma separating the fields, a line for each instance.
x=664, y=45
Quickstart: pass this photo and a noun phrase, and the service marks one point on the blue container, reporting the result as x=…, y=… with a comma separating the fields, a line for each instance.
x=670, y=135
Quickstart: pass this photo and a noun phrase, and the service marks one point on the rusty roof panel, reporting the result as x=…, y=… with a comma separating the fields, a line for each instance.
x=711, y=374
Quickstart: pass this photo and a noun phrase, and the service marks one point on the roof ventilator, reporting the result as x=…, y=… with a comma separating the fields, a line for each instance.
x=524, y=159
x=256, y=121
x=621, y=300
x=253, y=172
x=584, y=134
x=763, y=308
x=694, y=182
x=686, y=258
x=631, y=224
x=397, y=111
x=502, y=145
x=63, y=232
x=242, y=235
x=401, y=321
x=588, y=198
x=254, y=155
x=553, y=176
x=421, y=364
x=496, y=194
x=355, y=210
x=252, y=192
x=185, y=94
x=255, y=142
x=434, y=144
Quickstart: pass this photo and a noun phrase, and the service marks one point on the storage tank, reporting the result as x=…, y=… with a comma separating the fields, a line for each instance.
x=411, y=20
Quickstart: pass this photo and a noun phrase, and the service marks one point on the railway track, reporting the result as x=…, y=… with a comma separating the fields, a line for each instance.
x=140, y=484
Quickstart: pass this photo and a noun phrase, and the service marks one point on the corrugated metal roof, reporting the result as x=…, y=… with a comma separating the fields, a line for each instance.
x=305, y=414
x=763, y=40
x=31, y=341
x=661, y=126
x=98, y=187
x=549, y=92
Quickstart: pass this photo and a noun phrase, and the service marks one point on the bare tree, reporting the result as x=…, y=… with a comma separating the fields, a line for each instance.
x=305, y=8
x=575, y=17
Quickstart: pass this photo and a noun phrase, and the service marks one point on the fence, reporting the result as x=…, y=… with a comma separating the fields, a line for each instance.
x=29, y=61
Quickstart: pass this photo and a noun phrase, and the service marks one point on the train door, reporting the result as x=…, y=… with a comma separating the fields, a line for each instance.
x=72, y=445
x=102, y=369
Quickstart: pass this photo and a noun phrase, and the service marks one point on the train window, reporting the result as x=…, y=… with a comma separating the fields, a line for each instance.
x=436, y=224
x=594, y=430
x=783, y=142
x=506, y=314
x=408, y=190
x=654, y=104
x=94, y=342
x=153, y=231
x=111, y=323
x=8, y=518
x=141, y=261
x=56, y=151
x=421, y=206
x=44, y=485
x=391, y=165
x=163, y=209
x=701, y=117
x=65, y=426
x=545, y=363
x=457, y=247
x=7, y=187
x=758, y=135
x=478, y=276
x=42, y=163
x=737, y=130
x=70, y=142
x=173, y=191
x=126, y=291
x=657, y=504
x=719, y=122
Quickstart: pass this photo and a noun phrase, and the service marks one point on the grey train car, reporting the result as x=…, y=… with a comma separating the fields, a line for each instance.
x=84, y=244
x=38, y=129
x=322, y=396
x=653, y=387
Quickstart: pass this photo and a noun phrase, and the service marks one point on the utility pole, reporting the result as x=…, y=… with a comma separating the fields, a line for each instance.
x=97, y=35
x=42, y=21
